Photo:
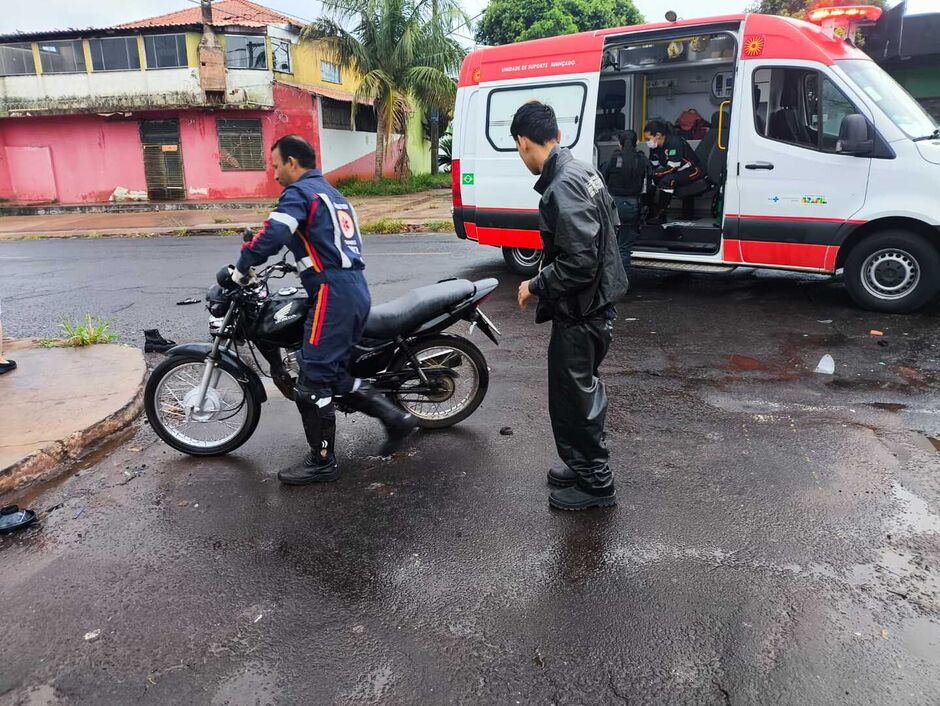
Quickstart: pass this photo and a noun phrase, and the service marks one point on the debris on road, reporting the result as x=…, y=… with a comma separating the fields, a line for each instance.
x=188, y=300
x=155, y=343
x=876, y=333
x=13, y=518
x=827, y=366
x=506, y=431
x=93, y=635
x=79, y=513
x=825, y=321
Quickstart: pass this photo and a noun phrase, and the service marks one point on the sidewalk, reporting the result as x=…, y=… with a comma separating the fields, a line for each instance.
x=415, y=211
x=61, y=401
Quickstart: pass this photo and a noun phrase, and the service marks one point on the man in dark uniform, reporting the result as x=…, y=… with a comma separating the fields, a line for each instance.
x=318, y=225
x=626, y=174
x=674, y=164
x=581, y=278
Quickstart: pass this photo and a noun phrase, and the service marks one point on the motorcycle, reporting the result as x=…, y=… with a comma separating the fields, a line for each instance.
x=204, y=399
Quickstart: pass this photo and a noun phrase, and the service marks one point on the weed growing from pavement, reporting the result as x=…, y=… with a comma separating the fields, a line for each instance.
x=384, y=226
x=439, y=227
x=221, y=219
x=181, y=232
x=76, y=334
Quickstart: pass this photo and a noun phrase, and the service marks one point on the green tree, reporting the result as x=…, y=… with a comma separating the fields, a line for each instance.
x=403, y=53
x=507, y=21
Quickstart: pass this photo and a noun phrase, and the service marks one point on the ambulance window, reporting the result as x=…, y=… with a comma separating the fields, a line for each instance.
x=799, y=106
x=567, y=99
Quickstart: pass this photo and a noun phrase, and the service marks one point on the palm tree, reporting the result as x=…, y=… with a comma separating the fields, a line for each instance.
x=403, y=54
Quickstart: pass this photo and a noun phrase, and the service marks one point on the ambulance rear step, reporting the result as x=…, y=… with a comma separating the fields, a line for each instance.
x=681, y=266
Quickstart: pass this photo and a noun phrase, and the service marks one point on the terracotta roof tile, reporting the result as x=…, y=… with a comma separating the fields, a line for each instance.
x=224, y=12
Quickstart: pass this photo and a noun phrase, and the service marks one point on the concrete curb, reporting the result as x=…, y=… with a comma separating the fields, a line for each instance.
x=51, y=461
x=422, y=227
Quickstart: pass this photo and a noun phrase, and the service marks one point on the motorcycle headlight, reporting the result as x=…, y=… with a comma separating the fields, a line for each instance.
x=217, y=301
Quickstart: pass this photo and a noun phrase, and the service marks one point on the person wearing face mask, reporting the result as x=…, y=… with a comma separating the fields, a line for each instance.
x=674, y=164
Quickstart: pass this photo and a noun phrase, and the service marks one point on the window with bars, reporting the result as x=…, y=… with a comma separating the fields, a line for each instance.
x=114, y=54
x=280, y=55
x=336, y=115
x=63, y=57
x=241, y=146
x=17, y=59
x=330, y=72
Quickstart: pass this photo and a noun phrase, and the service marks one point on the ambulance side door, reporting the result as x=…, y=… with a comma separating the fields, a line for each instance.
x=796, y=193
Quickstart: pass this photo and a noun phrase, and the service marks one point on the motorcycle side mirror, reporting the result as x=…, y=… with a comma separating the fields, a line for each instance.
x=248, y=235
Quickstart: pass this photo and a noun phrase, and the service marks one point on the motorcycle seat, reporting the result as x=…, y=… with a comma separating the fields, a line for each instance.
x=406, y=313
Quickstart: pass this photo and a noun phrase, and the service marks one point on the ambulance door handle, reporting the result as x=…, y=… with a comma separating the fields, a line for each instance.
x=759, y=165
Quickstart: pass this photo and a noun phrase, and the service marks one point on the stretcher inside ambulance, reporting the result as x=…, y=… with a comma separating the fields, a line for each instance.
x=814, y=159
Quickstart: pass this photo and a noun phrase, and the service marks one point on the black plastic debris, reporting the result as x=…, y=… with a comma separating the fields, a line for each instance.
x=188, y=300
x=506, y=431
x=155, y=343
x=13, y=518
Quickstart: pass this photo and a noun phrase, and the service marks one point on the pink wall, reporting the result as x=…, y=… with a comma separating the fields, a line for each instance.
x=202, y=172
x=91, y=156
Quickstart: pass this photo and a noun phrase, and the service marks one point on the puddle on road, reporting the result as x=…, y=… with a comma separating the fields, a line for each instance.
x=914, y=516
x=744, y=362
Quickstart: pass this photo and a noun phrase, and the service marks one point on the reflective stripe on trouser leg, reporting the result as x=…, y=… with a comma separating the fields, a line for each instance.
x=318, y=415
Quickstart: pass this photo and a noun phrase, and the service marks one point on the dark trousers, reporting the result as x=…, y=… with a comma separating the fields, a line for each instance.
x=577, y=399
x=628, y=208
x=662, y=199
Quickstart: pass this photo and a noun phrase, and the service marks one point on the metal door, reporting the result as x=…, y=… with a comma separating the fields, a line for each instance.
x=163, y=159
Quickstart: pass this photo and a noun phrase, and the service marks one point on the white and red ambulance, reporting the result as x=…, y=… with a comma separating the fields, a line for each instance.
x=816, y=160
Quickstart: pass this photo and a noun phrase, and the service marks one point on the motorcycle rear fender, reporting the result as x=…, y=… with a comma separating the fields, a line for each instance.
x=228, y=361
x=465, y=310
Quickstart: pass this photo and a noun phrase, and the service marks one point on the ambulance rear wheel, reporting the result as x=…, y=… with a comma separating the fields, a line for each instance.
x=894, y=271
x=523, y=261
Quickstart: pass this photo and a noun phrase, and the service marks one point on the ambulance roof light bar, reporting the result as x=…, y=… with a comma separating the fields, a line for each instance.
x=844, y=20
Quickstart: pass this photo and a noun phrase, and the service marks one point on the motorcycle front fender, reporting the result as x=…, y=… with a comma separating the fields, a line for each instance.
x=228, y=361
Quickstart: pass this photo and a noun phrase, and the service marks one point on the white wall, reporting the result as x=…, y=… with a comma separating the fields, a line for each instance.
x=340, y=147
x=255, y=86
x=104, y=90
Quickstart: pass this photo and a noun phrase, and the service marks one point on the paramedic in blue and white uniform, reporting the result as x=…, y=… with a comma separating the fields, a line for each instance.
x=318, y=225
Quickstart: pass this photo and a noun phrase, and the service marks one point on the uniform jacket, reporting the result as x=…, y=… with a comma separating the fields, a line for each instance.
x=673, y=156
x=317, y=224
x=581, y=272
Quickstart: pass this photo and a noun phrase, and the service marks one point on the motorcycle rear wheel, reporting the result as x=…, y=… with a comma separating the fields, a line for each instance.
x=459, y=396
x=233, y=418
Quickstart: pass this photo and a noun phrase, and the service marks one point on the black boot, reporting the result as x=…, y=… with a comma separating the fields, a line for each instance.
x=560, y=476
x=399, y=425
x=319, y=419
x=579, y=498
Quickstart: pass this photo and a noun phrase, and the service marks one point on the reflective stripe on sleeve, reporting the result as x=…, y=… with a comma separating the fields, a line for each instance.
x=287, y=220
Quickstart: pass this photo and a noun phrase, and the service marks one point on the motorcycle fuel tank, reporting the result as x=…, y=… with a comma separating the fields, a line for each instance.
x=281, y=322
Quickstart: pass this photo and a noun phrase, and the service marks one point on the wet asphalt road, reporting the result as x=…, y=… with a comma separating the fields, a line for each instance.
x=777, y=539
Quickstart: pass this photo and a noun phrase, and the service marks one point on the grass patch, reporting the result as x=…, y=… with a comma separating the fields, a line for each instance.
x=221, y=219
x=181, y=232
x=440, y=227
x=384, y=226
x=391, y=186
x=76, y=334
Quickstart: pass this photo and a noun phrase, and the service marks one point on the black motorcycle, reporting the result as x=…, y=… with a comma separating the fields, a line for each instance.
x=204, y=399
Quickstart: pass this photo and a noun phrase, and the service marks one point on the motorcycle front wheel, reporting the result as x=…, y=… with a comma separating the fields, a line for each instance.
x=229, y=414
x=458, y=374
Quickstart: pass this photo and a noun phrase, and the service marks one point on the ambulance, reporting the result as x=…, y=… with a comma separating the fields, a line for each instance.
x=815, y=159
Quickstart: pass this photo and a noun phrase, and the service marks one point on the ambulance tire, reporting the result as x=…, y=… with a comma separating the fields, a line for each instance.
x=523, y=261
x=893, y=271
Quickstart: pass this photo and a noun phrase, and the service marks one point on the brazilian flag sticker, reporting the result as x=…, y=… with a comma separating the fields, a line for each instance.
x=467, y=179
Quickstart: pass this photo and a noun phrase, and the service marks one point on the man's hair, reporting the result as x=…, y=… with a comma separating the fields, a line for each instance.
x=654, y=127
x=535, y=121
x=628, y=137
x=297, y=147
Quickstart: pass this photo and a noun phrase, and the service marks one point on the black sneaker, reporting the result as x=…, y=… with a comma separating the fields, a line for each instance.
x=560, y=476
x=313, y=470
x=575, y=498
x=7, y=367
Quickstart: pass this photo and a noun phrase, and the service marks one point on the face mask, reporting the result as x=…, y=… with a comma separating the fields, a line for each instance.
x=651, y=144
